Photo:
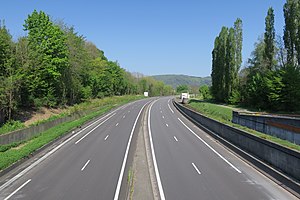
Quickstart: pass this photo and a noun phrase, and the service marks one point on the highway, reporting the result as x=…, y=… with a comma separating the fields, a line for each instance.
x=192, y=165
x=88, y=165
x=92, y=162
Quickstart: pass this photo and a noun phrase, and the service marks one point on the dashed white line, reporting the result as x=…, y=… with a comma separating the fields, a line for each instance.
x=106, y=137
x=128, y=111
x=175, y=138
x=84, y=166
x=163, y=117
x=229, y=163
x=19, y=188
x=94, y=129
x=170, y=108
x=124, y=116
x=117, y=124
x=198, y=171
x=167, y=125
x=160, y=111
x=10, y=181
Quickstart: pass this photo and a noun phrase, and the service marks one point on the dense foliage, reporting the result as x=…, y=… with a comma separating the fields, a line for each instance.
x=55, y=66
x=226, y=62
x=271, y=79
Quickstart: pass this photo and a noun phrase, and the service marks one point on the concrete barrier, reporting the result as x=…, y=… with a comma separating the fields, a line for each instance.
x=27, y=133
x=284, y=127
x=279, y=157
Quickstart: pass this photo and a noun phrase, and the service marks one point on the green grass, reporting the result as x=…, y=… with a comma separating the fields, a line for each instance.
x=89, y=106
x=224, y=115
x=10, y=155
x=11, y=126
x=217, y=112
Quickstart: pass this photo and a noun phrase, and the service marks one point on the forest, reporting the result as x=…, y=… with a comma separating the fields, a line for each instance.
x=271, y=78
x=54, y=66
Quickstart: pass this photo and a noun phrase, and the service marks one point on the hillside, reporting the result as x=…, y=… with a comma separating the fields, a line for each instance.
x=176, y=80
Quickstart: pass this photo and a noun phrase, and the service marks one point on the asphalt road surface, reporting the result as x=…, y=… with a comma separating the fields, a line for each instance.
x=192, y=165
x=91, y=164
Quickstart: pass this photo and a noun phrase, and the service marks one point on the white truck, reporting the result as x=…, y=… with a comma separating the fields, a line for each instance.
x=184, y=97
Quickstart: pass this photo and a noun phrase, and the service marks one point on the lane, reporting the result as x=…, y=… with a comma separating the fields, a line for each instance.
x=88, y=169
x=194, y=166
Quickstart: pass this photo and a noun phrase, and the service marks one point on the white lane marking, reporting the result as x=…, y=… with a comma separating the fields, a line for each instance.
x=160, y=188
x=94, y=129
x=126, y=155
x=128, y=111
x=169, y=101
x=163, y=117
x=229, y=163
x=9, y=182
x=167, y=125
x=160, y=111
x=170, y=108
x=106, y=137
x=175, y=138
x=84, y=166
x=198, y=171
x=19, y=188
x=117, y=124
x=123, y=116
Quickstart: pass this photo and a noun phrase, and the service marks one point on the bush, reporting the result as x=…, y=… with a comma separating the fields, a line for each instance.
x=11, y=126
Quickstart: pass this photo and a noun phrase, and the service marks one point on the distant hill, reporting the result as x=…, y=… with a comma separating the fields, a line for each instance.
x=176, y=80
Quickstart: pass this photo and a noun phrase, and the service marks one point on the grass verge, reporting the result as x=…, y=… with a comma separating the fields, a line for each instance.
x=9, y=154
x=224, y=115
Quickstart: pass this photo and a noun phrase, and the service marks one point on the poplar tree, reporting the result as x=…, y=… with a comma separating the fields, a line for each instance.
x=269, y=39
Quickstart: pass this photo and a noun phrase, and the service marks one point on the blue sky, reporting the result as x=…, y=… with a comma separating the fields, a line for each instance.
x=152, y=36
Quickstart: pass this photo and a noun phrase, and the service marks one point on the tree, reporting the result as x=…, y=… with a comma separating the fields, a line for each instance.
x=290, y=30
x=48, y=56
x=219, y=68
x=269, y=39
x=182, y=88
x=9, y=76
x=230, y=66
x=205, y=92
x=238, y=35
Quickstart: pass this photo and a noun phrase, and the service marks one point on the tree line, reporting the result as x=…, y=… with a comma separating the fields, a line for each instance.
x=55, y=66
x=271, y=77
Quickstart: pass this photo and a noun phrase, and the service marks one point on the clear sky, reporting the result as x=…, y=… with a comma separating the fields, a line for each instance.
x=152, y=36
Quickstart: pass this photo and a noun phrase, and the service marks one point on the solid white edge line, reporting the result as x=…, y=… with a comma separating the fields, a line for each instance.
x=175, y=138
x=19, y=188
x=94, y=129
x=169, y=101
x=106, y=137
x=85, y=165
x=51, y=152
x=196, y=168
x=126, y=155
x=160, y=188
x=229, y=163
x=170, y=108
